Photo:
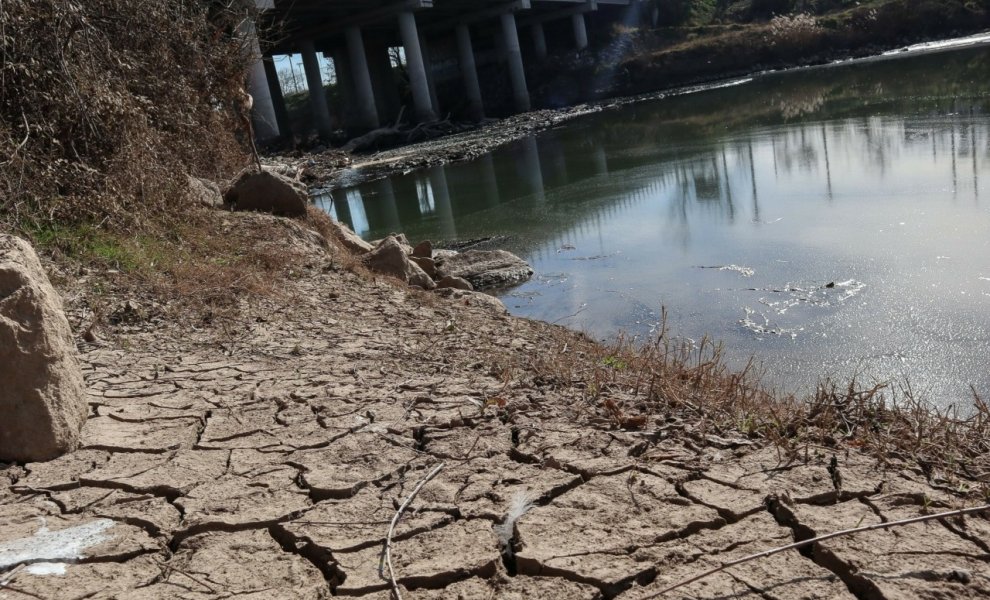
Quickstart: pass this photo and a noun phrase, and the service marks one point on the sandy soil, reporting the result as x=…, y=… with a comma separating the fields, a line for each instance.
x=265, y=457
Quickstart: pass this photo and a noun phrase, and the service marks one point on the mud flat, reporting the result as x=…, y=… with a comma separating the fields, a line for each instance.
x=266, y=456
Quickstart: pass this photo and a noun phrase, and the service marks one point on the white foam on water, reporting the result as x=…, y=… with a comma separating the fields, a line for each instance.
x=744, y=271
x=46, y=552
x=765, y=328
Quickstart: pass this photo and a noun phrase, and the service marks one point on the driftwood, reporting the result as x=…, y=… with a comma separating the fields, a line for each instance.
x=370, y=139
x=396, y=134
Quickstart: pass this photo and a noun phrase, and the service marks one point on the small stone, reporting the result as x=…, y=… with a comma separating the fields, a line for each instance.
x=423, y=249
x=457, y=283
x=427, y=264
x=204, y=193
x=390, y=259
x=349, y=239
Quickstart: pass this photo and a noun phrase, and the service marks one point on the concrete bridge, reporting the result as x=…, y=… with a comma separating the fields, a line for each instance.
x=461, y=56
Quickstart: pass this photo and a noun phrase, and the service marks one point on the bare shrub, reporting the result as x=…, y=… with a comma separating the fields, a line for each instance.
x=663, y=383
x=793, y=30
x=106, y=104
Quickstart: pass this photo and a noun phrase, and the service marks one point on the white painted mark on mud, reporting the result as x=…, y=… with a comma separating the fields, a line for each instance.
x=48, y=552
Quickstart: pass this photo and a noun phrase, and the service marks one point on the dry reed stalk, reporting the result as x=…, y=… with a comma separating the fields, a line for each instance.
x=395, y=521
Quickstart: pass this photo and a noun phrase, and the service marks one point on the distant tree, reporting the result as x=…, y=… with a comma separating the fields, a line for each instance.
x=674, y=13
x=763, y=9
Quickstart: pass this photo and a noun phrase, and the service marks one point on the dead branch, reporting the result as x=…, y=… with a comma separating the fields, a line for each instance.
x=395, y=521
x=822, y=538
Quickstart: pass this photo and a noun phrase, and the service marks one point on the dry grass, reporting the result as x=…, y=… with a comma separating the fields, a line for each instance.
x=106, y=105
x=653, y=385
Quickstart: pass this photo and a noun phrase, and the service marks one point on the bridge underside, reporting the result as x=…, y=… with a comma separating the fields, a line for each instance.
x=465, y=57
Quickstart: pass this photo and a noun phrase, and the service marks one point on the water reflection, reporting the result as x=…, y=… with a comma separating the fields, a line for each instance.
x=867, y=177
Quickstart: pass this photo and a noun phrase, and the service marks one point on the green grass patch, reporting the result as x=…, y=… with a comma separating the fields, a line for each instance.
x=89, y=244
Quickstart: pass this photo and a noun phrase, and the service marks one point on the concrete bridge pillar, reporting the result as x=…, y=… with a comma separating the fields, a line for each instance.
x=539, y=40
x=367, y=109
x=416, y=67
x=469, y=73
x=345, y=88
x=278, y=100
x=263, y=118
x=382, y=79
x=580, y=31
x=513, y=56
x=424, y=47
x=317, y=96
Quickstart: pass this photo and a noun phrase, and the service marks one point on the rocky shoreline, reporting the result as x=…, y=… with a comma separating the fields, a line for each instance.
x=266, y=457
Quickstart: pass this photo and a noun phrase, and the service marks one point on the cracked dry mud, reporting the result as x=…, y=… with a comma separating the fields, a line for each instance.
x=266, y=460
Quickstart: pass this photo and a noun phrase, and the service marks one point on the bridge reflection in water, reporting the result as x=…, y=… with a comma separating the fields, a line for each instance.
x=873, y=176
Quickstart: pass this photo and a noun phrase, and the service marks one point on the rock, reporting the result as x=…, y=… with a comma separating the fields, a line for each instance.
x=429, y=267
x=204, y=193
x=390, y=258
x=442, y=254
x=398, y=237
x=349, y=239
x=486, y=268
x=268, y=192
x=456, y=283
x=423, y=249
x=42, y=399
x=474, y=299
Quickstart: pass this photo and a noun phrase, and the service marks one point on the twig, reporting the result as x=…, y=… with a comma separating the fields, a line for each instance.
x=173, y=568
x=10, y=575
x=822, y=538
x=395, y=521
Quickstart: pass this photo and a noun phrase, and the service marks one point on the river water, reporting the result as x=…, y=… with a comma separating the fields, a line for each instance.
x=827, y=221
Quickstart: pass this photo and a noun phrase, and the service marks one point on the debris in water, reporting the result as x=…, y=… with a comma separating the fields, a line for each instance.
x=765, y=328
x=744, y=271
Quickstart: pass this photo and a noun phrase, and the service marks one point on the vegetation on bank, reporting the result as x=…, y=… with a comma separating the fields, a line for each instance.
x=106, y=105
x=707, y=40
x=792, y=33
x=634, y=383
x=106, y=108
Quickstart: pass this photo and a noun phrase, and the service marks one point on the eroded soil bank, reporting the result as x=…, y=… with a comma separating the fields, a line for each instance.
x=264, y=455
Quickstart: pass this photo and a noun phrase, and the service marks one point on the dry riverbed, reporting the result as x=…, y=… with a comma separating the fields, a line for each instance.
x=265, y=455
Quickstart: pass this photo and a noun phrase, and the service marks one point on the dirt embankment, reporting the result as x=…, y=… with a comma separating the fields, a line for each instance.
x=266, y=455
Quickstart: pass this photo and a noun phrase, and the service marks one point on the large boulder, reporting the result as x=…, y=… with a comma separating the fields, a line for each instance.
x=390, y=258
x=485, y=268
x=42, y=397
x=268, y=192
